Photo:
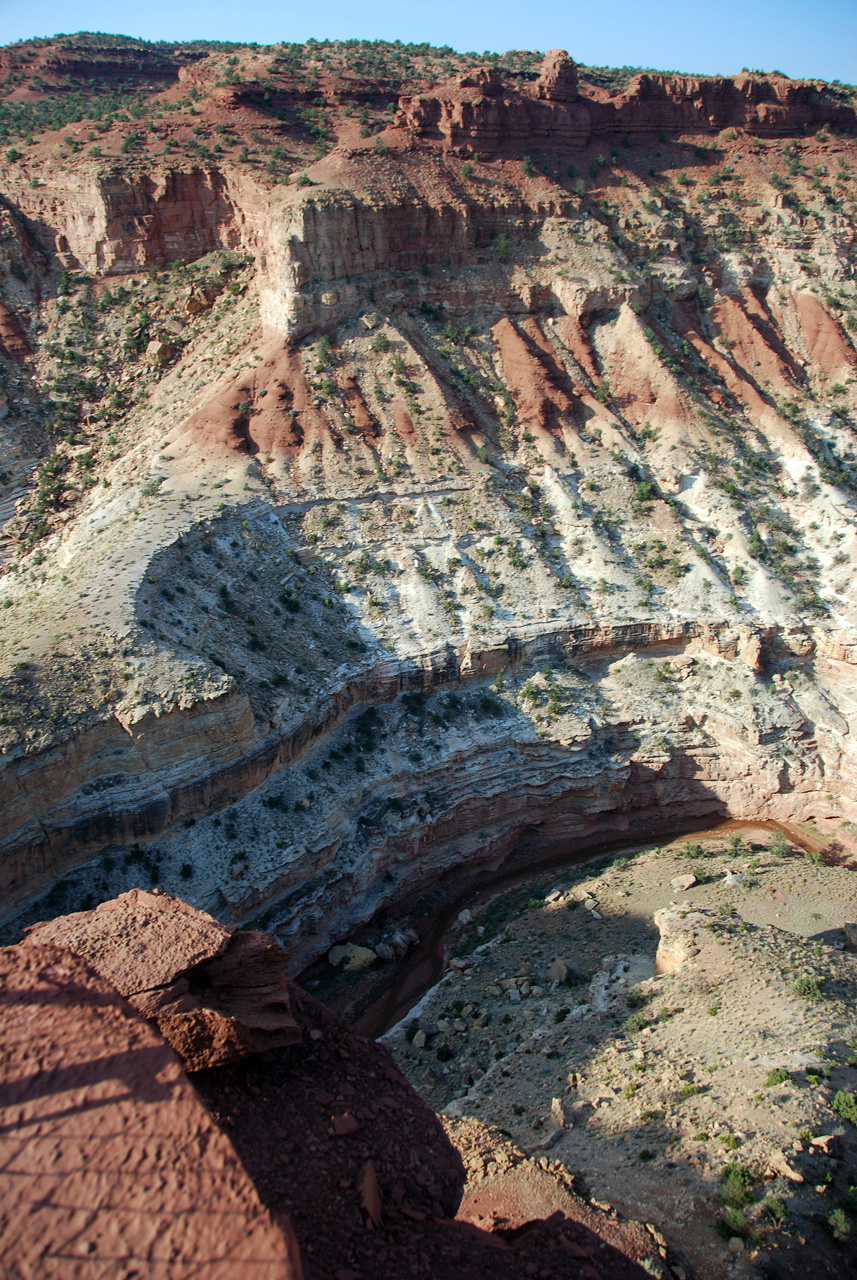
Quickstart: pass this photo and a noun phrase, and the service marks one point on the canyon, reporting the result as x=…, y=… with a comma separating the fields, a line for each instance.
x=413, y=464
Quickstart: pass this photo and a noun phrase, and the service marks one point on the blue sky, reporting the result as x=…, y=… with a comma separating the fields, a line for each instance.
x=795, y=36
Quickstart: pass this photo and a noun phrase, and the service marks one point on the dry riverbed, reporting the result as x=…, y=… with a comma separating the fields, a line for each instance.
x=707, y=1101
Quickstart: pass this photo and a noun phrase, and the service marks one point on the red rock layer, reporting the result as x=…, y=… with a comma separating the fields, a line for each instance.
x=485, y=114
x=13, y=340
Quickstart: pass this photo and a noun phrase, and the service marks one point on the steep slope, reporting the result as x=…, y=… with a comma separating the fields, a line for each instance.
x=408, y=455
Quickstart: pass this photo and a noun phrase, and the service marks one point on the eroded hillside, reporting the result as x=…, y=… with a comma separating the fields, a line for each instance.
x=407, y=455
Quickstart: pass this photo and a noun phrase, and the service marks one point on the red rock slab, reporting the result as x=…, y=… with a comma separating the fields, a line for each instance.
x=139, y=940
x=109, y=1164
x=216, y=995
x=227, y=1008
x=529, y=1207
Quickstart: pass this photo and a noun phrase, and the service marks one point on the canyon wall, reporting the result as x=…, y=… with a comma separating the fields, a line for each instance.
x=338, y=423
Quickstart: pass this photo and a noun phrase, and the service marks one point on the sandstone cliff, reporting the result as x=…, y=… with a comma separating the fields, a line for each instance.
x=412, y=459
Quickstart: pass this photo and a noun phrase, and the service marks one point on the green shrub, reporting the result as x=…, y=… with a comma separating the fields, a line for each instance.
x=733, y=1223
x=736, y=1182
x=444, y=1053
x=840, y=1227
x=778, y=1076
x=774, y=1209
x=635, y=1023
x=845, y=1105
x=807, y=987
x=779, y=845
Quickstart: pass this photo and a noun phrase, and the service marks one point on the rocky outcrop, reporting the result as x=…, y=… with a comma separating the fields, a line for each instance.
x=112, y=224
x=124, y=781
x=484, y=115
x=13, y=340
x=110, y=1161
x=215, y=995
x=497, y=119
x=157, y=743
x=318, y=1150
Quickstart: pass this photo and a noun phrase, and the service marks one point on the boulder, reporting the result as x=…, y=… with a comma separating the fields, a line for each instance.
x=558, y=971
x=217, y=995
x=403, y=941
x=350, y=956
x=682, y=883
x=159, y=350
x=384, y=951
x=779, y=1167
x=850, y=935
x=677, y=943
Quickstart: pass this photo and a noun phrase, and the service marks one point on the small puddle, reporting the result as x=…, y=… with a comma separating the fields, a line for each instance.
x=423, y=966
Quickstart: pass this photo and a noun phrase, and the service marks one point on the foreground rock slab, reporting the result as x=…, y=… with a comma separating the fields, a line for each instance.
x=111, y=1166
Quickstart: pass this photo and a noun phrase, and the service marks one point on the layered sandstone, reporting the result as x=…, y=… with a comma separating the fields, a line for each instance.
x=481, y=114
x=551, y=475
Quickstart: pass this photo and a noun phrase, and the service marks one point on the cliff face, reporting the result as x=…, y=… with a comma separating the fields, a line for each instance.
x=411, y=464
x=480, y=114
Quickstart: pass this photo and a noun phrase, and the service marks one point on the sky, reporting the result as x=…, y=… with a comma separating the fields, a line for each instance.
x=803, y=38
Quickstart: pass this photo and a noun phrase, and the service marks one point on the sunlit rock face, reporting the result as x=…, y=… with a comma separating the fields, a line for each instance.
x=409, y=465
